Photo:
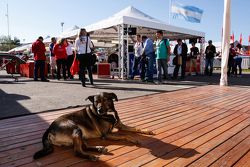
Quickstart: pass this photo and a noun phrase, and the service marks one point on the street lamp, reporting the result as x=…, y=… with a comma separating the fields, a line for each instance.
x=62, y=23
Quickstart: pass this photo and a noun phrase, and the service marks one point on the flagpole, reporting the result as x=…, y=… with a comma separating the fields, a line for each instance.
x=225, y=42
x=8, y=24
x=169, y=13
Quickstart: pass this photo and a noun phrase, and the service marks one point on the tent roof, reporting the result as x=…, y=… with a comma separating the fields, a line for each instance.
x=145, y=25
x=20, y=48
x=72, y=31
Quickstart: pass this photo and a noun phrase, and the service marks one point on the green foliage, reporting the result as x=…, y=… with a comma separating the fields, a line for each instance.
x=6, y=43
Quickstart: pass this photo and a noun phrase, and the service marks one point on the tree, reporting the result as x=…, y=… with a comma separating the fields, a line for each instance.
x=6, y=43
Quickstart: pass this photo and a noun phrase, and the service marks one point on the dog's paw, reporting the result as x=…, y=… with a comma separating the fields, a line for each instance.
x=93, y=158
x=147, y=132
x=151, y=133
x=136, y=142
x=103, y=150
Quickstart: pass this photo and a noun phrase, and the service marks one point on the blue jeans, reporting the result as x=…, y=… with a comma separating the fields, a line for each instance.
x=135, y=68
x=161, y=64
x=39, y=64
x=238, y=62
x=210, y=63
x=150, y=66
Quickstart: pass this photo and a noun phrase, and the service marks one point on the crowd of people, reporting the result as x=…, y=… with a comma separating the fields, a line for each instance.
x=146, y=53
x=62, y=56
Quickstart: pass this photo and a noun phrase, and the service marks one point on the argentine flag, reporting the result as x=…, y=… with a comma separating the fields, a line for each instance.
x=189, y=13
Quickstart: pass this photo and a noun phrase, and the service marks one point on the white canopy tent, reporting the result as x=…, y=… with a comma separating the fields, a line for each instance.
x=20, y=49
x=71, y=32
x=114, y=28
x=145, y=25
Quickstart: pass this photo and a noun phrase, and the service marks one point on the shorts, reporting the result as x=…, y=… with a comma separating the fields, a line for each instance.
x=53, y=62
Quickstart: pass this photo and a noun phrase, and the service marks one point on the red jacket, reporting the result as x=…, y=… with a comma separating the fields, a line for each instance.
x=38, y=48
x=60, y=51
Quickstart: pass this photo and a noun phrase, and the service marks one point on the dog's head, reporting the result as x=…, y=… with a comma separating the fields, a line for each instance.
x=103, y=102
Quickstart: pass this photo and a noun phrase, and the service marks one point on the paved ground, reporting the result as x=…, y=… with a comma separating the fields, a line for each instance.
x=26, y=96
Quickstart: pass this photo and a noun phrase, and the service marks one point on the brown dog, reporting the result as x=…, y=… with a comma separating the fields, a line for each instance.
x=95, y=121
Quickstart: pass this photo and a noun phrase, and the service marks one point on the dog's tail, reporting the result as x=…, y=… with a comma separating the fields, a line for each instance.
x=47, y=147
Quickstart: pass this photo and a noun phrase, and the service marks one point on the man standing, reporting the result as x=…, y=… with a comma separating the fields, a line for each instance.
x=180, y=51
x=194, y=51
x=148, y=52
x=162, y=55
x=210, y=52
x=38, y=48
x=137, y=58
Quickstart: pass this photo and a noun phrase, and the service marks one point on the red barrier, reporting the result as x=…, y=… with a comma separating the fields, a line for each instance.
x=27, y=70
x=13, y=68
x=103, y=70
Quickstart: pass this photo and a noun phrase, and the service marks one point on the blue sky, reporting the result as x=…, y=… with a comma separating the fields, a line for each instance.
x=32, y=18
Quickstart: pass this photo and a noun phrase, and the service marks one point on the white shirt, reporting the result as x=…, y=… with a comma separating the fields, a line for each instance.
x=179, y=49
x=80, y=46
x=69, y=49
x=138, y=49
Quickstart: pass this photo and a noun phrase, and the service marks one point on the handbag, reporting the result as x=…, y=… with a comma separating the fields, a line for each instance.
x=74, y=67
x=93, y=59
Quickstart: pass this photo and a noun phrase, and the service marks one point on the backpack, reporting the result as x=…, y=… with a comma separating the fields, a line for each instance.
x=165, y=41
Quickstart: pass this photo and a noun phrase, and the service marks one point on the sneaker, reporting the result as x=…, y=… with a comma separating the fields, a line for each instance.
x=45, y=80
x=174, y=78
x=36, y=79
x=83, y=84
x=158, y=82
x=149, y=81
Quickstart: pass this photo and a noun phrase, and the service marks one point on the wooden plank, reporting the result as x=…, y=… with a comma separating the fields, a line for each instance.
x=244, y=161
x=153, y=144
x=203, y=119
x=231, y=157
x=222, y=149
x=211, y=139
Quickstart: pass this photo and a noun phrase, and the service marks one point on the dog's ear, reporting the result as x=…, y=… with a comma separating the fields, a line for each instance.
x=113, y=96
x=90, y=98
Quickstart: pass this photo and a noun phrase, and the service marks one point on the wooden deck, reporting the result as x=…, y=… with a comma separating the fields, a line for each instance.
x=204, y=126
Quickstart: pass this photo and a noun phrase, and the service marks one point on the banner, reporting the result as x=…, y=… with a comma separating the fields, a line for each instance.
x=240, y=38
x=189, y=13
x=232, y=37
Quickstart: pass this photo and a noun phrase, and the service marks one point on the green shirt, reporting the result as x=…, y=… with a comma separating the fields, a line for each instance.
x=161, y=49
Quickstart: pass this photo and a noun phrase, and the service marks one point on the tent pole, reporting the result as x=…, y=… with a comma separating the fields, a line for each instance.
x=122, y=51
x=119, y=49
x=127, y=54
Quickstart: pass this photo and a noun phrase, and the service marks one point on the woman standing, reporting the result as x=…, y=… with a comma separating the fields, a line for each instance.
x=83, y=47
x=61, y=57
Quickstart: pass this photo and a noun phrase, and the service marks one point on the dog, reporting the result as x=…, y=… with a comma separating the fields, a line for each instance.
x=96, y=120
